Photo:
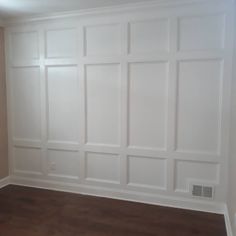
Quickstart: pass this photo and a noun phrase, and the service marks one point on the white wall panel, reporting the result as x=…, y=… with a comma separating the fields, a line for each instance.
x=198, y=106
x=201, y=32
x=147, y=172
x=63, y=116
x=103, y=104
x=25, y=46
x=189, y=171
x=26, y=99
x=148, y=98
x=61, y=43
x=107, y=40
x=27, y=160
x=135, y=101
x=63, y=164
x=149, y=36
x=102, y=167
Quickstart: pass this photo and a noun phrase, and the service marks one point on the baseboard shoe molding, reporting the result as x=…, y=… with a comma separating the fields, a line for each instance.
x=4, y=182
x=228, y=222
x=177, y=202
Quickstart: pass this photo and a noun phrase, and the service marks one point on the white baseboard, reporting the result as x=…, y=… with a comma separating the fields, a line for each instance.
x=177, y=202
x=228, y=222
x=4, y=182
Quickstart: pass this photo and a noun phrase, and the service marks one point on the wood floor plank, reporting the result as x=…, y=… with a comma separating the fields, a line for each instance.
x=35, y=212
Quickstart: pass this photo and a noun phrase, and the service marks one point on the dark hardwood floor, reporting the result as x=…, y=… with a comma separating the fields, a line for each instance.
x=35, y=212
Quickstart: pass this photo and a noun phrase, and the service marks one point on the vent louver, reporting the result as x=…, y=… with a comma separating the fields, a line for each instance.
x=202, y=191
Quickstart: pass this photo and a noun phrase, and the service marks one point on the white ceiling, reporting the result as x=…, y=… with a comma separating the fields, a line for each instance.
x=23, y=8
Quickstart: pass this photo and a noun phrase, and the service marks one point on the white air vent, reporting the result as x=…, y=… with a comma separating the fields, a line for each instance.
x=197, y=190
x=202, y=191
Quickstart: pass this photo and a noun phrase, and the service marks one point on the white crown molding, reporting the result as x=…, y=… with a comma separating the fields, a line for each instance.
x=111, y=10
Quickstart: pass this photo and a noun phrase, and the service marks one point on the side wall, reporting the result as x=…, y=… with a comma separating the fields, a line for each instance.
x=232, y=161
x=3, y=120
x=131, y=102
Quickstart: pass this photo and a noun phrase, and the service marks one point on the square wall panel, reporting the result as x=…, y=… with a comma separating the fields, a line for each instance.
x=103, y=104
x=27, y=160
x=63, y=114
x=198, y=106
x=61, y=43
x=63, y=163
x=103, y=40
x=25, y=46
x=149, y=36
x=148, y=98
x=103, y=167
x=202, y=172
x=201, y=33
x=26, y=102
x=147, y=172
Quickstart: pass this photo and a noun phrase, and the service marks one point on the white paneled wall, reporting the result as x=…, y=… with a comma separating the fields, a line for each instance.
x=134, y=101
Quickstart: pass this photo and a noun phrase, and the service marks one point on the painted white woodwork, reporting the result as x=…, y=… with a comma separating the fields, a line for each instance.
x=201, y=32
x=199, y=106
x=27, y=160
x=25, y=46
x=61, y=43
x=26, y=96
x=188, y=171
x=15, y=9
x=108, y=40
x=148, y=100
x=63, y=163
x=62, y=94
x=155, y=177
x=133, y=101
x=102, y=167
x=149, y=36
x=103, y=100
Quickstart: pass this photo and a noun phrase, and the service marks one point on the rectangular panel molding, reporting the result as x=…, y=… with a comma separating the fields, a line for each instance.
x=25, y=84
x=103, y=104
x=130, y=102
x=199, y=106
x=102, y=167
x=62, y=101
x=148, y=100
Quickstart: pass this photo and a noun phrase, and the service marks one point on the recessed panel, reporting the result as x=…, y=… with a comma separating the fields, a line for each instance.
x=201, y=33
x=198, y=106
x=25, y=46
x=148, y=104
x=103, y=40
x=194, y=171
x=26, y=101
x=149, y=36
x=63, y=103
x=147, y=172
x=63, y=163
x=27, y=160
x=103, y=167
x=103, y=103
x=61, y=43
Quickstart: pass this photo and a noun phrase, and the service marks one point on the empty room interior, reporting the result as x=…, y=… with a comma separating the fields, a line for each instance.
x=117, y=118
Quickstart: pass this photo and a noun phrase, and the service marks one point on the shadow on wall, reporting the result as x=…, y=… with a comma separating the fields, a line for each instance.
x=3, y=118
